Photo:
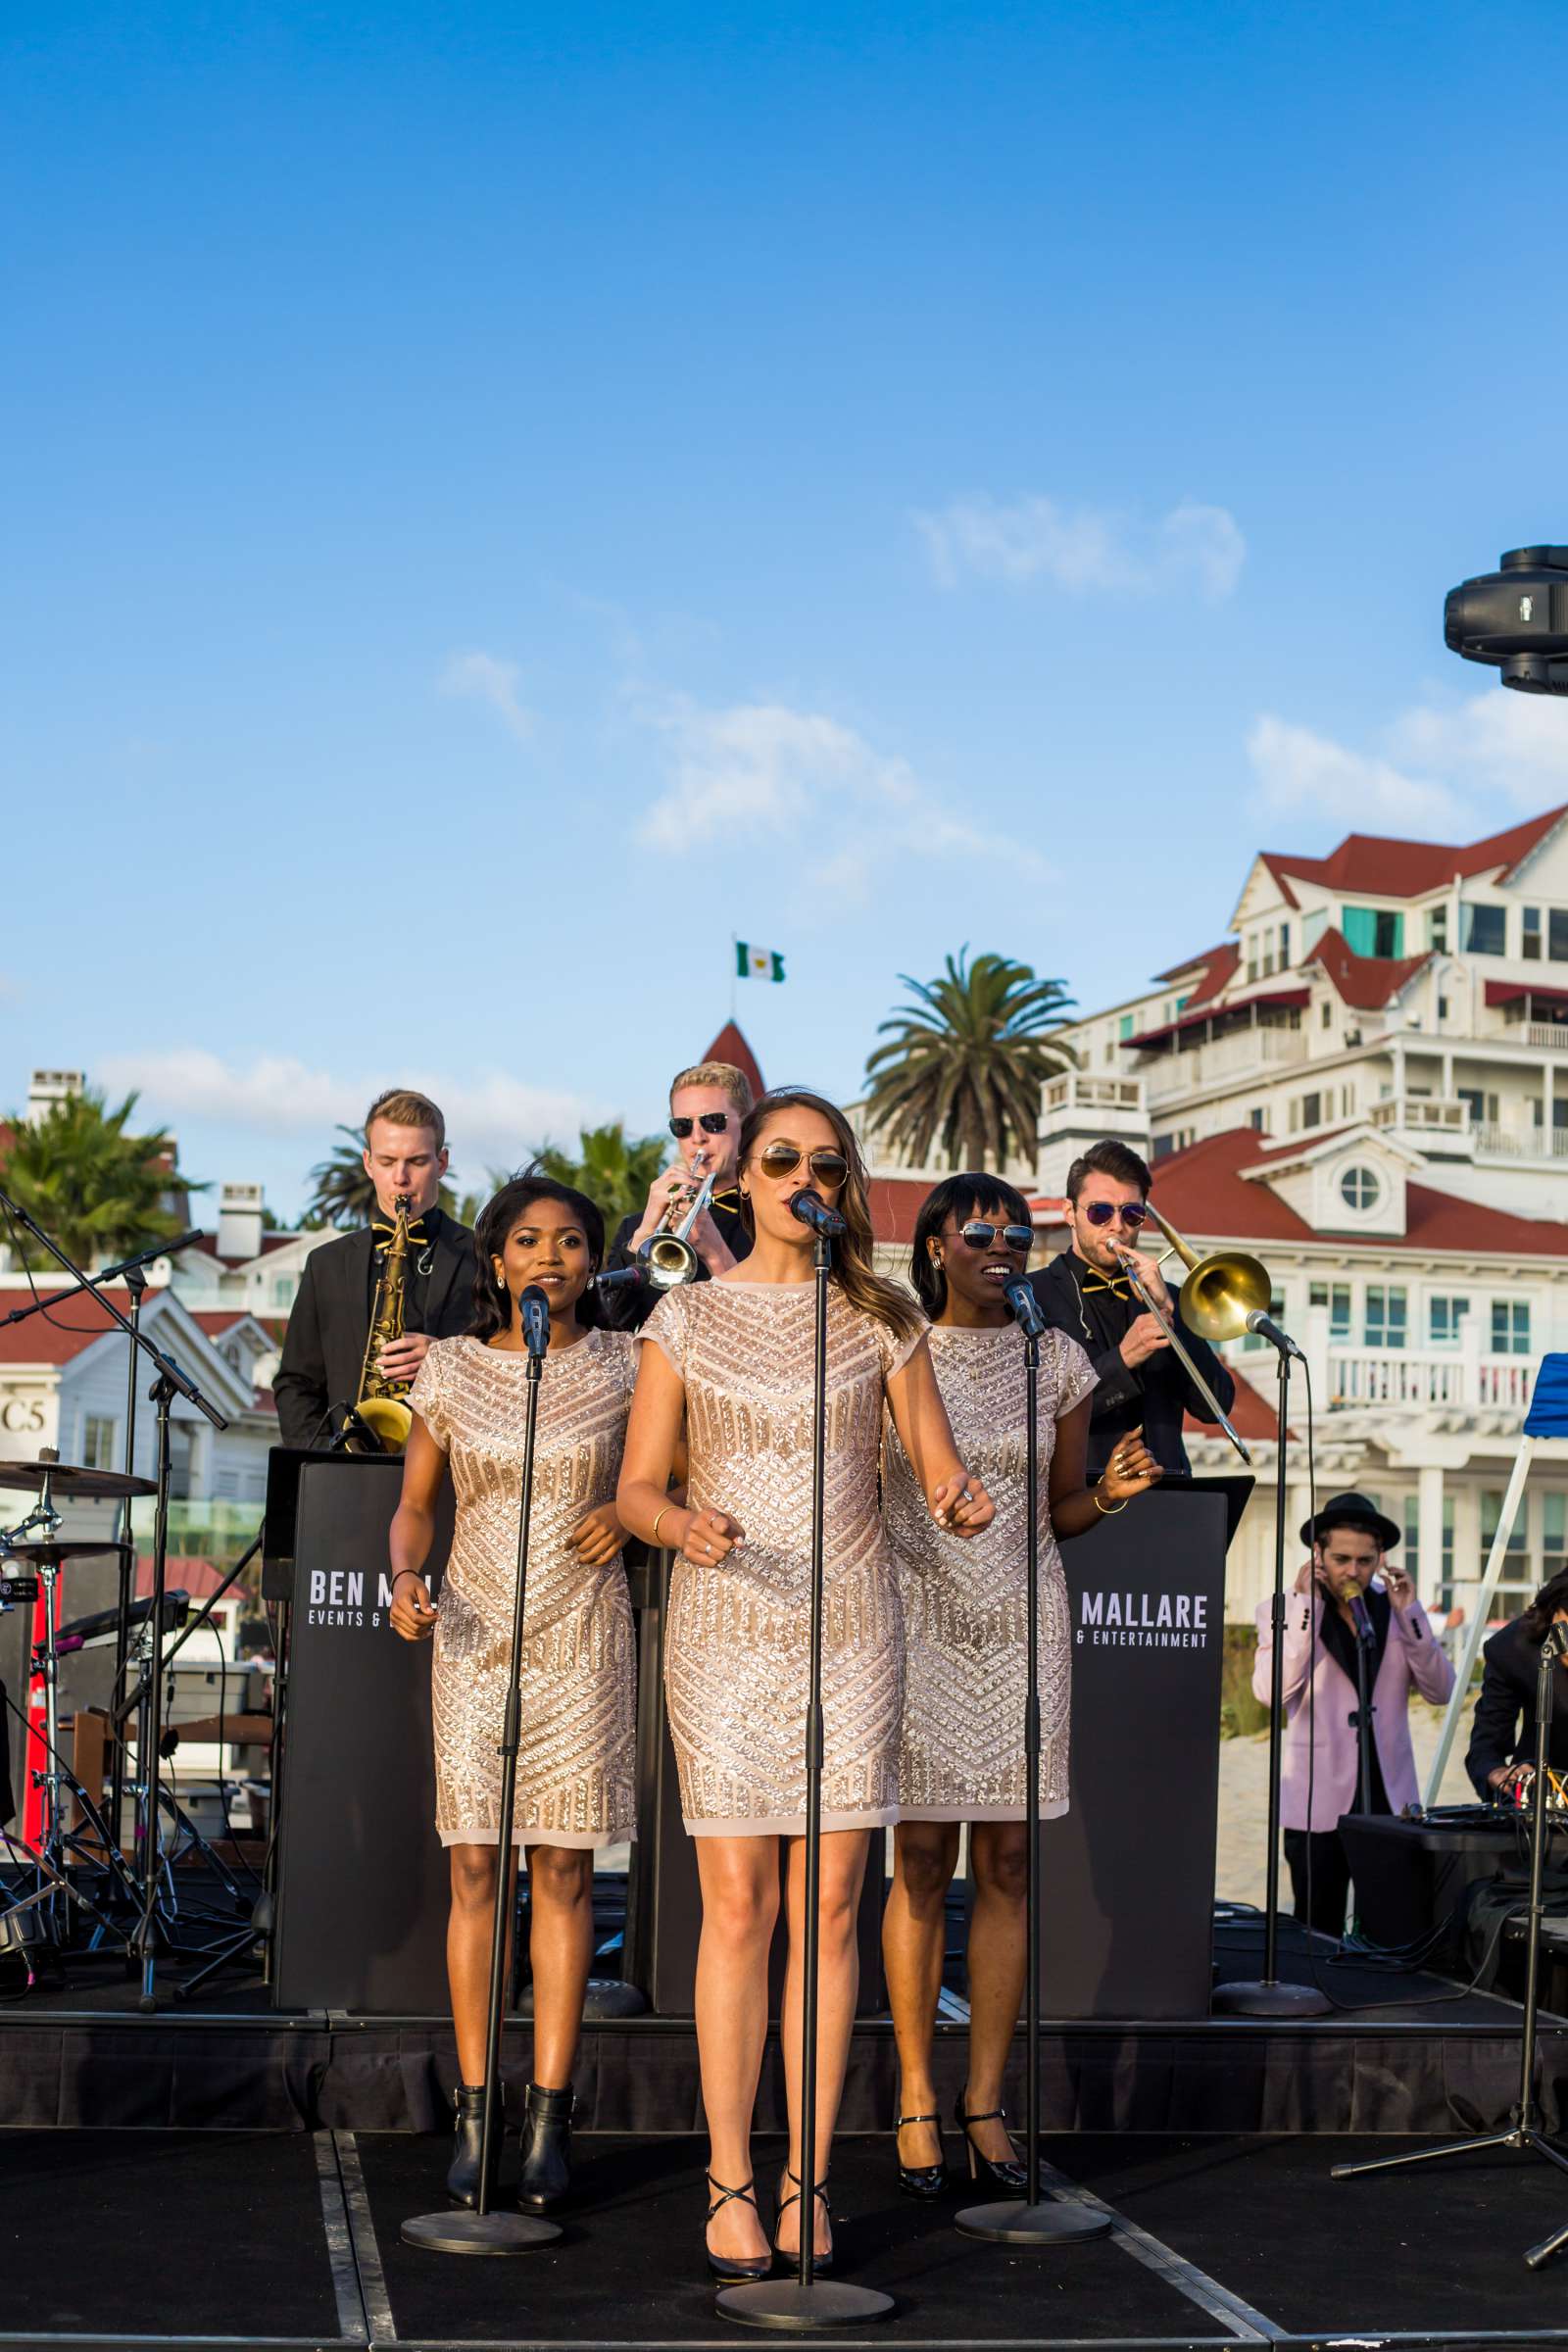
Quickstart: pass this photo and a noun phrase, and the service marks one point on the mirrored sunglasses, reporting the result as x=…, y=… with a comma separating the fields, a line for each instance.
x=979, y=1235
x=1131, y=1212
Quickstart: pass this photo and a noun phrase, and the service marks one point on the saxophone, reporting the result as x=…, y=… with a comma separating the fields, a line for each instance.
x=379, y=1403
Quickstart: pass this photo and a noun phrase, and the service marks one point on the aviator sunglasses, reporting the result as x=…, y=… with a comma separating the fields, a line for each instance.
x=978, y=1234
x=1131, y=1212
x=711, y=1122
x=782, y=1159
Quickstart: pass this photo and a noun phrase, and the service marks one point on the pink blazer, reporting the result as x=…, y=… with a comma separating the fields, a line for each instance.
x=1410, y=1655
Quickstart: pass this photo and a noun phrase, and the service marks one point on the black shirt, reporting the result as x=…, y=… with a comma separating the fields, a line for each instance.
x=627, y=1309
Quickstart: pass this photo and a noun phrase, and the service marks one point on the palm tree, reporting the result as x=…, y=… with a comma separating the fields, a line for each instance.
x=613, y=1170
x=93, y=1186
x=963, y=1065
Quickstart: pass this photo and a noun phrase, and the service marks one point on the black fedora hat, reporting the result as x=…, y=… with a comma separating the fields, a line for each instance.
x=1353, y=1511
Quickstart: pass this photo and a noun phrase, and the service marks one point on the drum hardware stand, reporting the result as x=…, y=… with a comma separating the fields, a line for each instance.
x=1032, y=2220
x=807, y=2302
x=484, y=2231
x=1267, y=1995
x=171, y=1382
x=1524, y=2132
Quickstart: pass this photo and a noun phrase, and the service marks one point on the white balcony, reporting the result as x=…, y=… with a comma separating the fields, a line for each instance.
x=1407, y=1376
x=1496, y=1141
x=1244, y=1054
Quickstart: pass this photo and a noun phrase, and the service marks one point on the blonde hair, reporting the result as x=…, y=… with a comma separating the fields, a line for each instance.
x=723, y=1074
x=401, y=1106
x=853, y=1270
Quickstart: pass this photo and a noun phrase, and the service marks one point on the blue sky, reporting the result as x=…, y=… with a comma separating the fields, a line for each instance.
x=500, y=501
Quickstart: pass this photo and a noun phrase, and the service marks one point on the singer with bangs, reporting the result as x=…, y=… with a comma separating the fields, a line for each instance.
x=732, y=1361
x=966, y=1626
x=577, y=1760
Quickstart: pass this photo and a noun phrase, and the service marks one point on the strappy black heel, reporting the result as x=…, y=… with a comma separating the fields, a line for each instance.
x=1007, y=2175
x=731, y=2267
x=922, y=2181
x=820, y=2262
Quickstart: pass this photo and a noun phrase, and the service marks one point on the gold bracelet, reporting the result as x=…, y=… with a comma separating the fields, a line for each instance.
x=1115, y=1511
x=658, y=1515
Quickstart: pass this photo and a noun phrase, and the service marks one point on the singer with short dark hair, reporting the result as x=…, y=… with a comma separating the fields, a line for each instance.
x=1349, y=1594
x=708, y=1105
x=966, y=1631
x=576, y=1762
x=1144, y=1385
x=731, y=1362
x=318, y=1379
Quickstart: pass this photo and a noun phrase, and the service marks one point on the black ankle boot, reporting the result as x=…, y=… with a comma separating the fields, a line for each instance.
x=462, y=2179
x=546, y=2147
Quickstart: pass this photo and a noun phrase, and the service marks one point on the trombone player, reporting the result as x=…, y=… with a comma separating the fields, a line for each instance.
x=708, y=1104
x=1085, y=1293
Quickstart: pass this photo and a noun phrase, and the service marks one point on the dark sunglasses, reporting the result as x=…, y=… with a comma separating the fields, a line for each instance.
x=782, y=1159
x=1131, y=1212
x=711, y=1122
x=979, y=1235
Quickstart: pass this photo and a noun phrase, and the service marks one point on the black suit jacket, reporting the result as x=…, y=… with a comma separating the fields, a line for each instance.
x=1156, y=1393
x=1505, y=1727
x=628, y=1309
x=323, y=1348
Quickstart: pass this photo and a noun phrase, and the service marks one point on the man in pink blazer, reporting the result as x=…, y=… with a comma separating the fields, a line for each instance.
x=1349, y=1597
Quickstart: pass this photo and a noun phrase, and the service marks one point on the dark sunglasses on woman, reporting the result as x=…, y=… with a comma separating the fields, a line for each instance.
x=782, y=1159
x=1131, y=1212
x=979, y=1235
x=711, y=1122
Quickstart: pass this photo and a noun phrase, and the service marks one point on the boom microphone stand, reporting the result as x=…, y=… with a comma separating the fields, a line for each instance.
x=1036, y=2221
x=483, y=2230
x=807, y=2302
x=1524, y=2132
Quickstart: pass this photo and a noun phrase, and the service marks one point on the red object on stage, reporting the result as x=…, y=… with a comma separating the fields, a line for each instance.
x=35, y=1752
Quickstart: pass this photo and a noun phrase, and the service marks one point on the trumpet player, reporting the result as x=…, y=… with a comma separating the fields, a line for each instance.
x=1085, y=1293
x=708, y=1105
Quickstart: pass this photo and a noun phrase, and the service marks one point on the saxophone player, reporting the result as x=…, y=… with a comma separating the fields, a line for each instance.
x=707, y=1105
x=323, y=1350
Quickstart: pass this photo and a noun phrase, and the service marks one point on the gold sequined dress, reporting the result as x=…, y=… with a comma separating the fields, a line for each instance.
x=965, y=1607
x=735, y=1641
x=576, y=1762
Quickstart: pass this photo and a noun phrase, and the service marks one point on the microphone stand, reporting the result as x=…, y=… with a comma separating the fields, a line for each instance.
x=1364, y=1639
x=1036, y=2221
x=1524, y=2131
x=171, y=1382
x=484, y=2231
x=805, y=2302
x=1266, y=1996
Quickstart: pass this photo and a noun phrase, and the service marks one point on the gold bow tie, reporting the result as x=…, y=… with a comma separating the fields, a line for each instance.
x=1115, y=1284
x=382, y=1235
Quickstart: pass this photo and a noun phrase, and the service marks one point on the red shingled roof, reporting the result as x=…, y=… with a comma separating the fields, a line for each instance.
x=1204, y=1189
x=1408, y=869
x=730, y=1046
x=895, y=1204
x=59, y=1337
x=1216, y=965
x=1366, y=982
x=1252, y=1415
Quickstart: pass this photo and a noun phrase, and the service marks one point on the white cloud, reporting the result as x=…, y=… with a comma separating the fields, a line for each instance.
x=1298, y=769
x=1499, y=740
x=485, y=678
x=1085, y=548
x=493, y=1118
x=1435, y=770
x=763, y=768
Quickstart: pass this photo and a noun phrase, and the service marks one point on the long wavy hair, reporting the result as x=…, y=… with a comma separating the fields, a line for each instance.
x=961, y=1196
x=492, y=1306
x=1553, y=1597
x=853, y=1270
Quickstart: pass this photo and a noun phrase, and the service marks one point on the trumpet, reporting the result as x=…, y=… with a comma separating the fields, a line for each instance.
x=1220, y=1293
x=668, y=1257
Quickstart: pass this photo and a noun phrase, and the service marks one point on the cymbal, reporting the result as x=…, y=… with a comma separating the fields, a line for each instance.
x=29, y=1553
x=72, y=1484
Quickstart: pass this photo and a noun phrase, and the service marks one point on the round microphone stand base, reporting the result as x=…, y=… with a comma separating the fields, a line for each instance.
x=1269, y=1997
x=789, y=2303
x=464, y=2233
x=1011, y=2223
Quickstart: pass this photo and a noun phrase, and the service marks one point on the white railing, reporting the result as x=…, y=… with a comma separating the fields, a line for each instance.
x=1403, y=1376
x=1223, y=1057
x=1420, y=1112
x=1080, y=1088
x=1496, y=1141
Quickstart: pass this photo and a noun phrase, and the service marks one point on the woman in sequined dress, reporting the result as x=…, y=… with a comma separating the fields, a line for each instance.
x=966, y=1624
x=575, y=1764
x=731, y=1360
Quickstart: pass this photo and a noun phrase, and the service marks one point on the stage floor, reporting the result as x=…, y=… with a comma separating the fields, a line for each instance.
x=292, y=2239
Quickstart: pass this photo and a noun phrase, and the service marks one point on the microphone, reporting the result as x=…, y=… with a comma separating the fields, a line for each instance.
x=1362, y=1619
x=535, y=1308
x=818, y=1215
x=1025, y=1307
x=148, y=1258
x=621, y=1279
x=1267, y=1328
x=1556, y=1644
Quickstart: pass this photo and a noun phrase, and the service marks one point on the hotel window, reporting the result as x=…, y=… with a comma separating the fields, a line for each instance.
x=1442, y=1009
x=1510, y=1327
x=1558, y=935
x=1485, y=930
x=1311, y=1110
x=1516, y=1558
x=1285, y=944
x=1530, y=933
x=1336, y=1297
x=1437, y=927
x=1313, y=926
x=1360, y=1190
x=1446, y=1588
x=1386, y=1314
x=1255, y=1117
x=1328, y=1013
x=99, y=1443
x=1443, y=1317
x=1373, y=931
x=1410, y=1513
x=1553, y=1532
x=1124, y=1027
x=1251, y=956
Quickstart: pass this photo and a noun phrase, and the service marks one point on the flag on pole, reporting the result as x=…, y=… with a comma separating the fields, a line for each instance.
x=758, y=963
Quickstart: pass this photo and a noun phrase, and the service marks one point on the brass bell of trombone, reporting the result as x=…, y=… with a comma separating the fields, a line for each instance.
x=1221, y=1290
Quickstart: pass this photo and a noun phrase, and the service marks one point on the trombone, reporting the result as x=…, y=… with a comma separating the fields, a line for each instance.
x=1220, y=1293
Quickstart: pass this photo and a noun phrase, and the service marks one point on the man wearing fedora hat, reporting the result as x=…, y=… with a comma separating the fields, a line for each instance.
x=1348, y=1595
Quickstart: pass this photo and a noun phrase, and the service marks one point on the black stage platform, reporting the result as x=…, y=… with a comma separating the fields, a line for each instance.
x=206, y=2239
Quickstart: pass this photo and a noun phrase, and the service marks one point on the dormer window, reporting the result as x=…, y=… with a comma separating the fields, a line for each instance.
x=1361, y=1188
x=1437, y=928
x=1485, y=931
x=1373, y=931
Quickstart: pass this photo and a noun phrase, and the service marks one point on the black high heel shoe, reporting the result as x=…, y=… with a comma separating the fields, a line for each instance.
x=463, y=2174
x=732, y=2267
x=822, y=2263
x=1008, y=2174
x=546, y=2174
x=922, y=2181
